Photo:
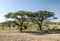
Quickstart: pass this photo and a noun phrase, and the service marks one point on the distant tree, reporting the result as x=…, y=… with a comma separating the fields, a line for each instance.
x=7, y=24
x=2, y=25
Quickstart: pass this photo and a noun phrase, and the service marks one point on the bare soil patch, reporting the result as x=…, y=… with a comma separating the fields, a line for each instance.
x=28, y=37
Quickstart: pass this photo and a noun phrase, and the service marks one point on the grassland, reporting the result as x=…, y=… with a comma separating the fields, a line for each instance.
x=13, y=34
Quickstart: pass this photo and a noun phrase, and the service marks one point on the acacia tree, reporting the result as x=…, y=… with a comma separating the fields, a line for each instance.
x=19, y=17
x=39, y=16
x=36, y=17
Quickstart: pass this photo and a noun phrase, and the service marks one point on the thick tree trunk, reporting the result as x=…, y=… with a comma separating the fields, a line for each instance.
x=21, y=26
x=40, y=25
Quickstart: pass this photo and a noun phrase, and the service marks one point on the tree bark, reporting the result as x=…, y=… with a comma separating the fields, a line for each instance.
x=40, y=25
x=21, y=26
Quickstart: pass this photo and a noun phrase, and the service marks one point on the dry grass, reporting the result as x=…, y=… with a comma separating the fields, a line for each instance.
x=28, y=37
x=5, y=35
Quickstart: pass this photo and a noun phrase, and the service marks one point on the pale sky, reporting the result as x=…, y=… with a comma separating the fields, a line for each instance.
x=7, y=6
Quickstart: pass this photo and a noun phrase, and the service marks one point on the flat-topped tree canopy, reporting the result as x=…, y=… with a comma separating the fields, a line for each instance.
x=16, y=14
x=44, y=14
x=19, y=16
x=37, y=17
x=8, y=15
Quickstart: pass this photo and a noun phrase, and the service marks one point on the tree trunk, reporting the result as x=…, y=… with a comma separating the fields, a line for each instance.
x=40, y=25
x=21, y=26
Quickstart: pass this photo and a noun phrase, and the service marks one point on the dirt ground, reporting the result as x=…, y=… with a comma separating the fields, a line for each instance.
x=28, y=37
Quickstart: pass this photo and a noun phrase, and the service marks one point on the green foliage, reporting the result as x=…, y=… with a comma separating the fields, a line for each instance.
x=19, y=17
x=36, y=17
x=39, y=16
